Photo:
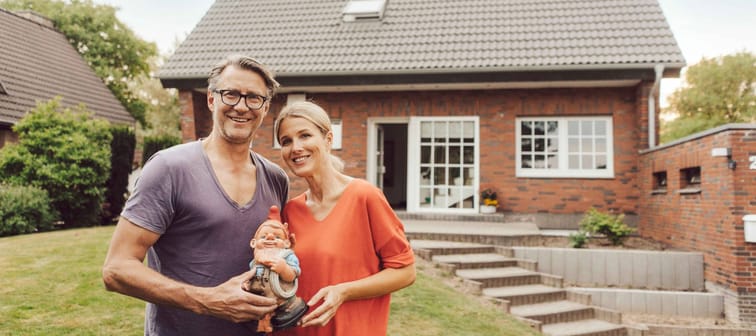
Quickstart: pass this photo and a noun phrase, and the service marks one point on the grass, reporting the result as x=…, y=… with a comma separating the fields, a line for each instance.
x=50, y=285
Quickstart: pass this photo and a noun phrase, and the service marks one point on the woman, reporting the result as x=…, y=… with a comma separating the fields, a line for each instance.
x=351, y=244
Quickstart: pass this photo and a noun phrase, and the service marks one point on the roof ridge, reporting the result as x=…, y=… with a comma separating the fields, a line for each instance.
x=47, y=23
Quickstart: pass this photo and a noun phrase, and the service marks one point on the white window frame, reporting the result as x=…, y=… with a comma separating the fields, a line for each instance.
x=563, y=152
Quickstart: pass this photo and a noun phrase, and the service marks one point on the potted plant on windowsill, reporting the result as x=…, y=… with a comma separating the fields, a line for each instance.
x=489, y=200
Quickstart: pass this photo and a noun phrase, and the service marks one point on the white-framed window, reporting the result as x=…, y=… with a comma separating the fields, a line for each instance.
x=335, y=123
x=565, y=147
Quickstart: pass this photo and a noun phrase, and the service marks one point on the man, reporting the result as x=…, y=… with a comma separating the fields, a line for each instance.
x=193, y=211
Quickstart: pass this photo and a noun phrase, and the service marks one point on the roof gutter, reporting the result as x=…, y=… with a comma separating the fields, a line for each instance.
x=659, y=69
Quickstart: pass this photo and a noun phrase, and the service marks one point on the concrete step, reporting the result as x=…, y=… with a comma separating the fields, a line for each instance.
x=590, y=327
x=439, y=247
x=527, y=294
x=475, y=260
x=501, y=276
x=516, y=239
x=554, y=312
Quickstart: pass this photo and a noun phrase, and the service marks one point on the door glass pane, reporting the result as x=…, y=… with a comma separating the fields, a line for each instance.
x=469, y=153
x=454, y=154
x=439, y=154
x=469, y=176
x=439, y=176
x=439, y=131
x=469, y=129
x=455, y=130
x=425, y=131
x=456, y=177
x=425, y=197
x=425, y=176
x=425, y=156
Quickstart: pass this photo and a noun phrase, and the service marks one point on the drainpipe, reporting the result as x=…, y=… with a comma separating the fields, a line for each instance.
x=659, y=70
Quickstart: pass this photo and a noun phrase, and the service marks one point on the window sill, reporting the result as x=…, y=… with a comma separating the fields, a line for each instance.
x=659, y=192
x=689, y=191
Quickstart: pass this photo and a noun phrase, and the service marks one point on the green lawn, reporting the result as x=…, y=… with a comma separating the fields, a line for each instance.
x=50, y=285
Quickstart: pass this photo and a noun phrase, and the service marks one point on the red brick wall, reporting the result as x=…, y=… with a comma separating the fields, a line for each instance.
x=497, y=110
x=709, y=221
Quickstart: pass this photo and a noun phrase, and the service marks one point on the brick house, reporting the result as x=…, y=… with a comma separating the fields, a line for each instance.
x=37, y=64
x=546, y=103
x=552, y=104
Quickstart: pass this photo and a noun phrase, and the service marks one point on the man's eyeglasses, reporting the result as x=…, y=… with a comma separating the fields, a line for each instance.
x=232, y=97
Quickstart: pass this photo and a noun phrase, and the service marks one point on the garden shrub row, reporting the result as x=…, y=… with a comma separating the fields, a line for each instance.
x=24, y=210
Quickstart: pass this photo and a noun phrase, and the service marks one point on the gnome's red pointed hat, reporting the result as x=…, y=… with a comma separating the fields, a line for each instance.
x=274, y=220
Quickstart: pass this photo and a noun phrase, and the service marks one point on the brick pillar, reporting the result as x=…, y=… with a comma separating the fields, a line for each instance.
x=188, y=130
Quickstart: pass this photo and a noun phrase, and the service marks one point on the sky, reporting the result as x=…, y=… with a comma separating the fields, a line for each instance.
x=703, y=28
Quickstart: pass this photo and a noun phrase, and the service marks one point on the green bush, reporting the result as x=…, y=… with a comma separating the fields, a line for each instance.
x=24, y=210
x=611, y=226
x=121, y=160
x=67, y=154
x=153, y=144
x=578, y=239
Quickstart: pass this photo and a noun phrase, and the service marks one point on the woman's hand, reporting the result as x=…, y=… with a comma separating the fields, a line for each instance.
x=332, y=297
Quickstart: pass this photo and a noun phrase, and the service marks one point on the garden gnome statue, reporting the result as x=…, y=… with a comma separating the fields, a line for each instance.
x=276, y=271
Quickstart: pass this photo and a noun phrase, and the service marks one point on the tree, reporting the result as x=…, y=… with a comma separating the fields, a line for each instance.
x=66, y=153
x=163, y=113
x=113, y=51
x=717, y=91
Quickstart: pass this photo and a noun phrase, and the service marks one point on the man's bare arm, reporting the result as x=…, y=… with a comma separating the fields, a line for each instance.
x=124, y=272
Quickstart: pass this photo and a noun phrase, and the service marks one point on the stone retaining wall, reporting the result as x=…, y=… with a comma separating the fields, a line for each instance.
x=663, y=270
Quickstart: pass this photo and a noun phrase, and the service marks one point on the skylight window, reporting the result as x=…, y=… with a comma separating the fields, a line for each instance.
x=359, y=10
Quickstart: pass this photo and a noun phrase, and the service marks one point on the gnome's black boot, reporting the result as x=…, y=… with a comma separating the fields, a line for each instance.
x=288, y=314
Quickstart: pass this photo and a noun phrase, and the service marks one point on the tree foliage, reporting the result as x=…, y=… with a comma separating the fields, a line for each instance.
x=163, y=109
x=717, y=91
x=113, y=51
x=121, y=161
x=66, y=153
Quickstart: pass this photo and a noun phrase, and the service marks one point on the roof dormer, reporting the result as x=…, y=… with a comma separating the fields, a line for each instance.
x=363, y=10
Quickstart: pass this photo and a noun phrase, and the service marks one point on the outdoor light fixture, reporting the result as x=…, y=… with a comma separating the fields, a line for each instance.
x=726, y=152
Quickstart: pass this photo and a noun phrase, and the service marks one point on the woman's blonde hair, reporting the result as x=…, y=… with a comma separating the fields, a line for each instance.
x=314, y=114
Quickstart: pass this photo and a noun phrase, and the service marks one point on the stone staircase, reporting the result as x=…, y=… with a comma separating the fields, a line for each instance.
x=536, y=298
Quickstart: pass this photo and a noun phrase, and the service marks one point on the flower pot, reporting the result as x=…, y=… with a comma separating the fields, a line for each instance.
x=487, y=209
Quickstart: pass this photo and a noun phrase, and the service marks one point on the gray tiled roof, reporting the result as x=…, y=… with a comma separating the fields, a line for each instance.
x=37, y=63
x=308, y=37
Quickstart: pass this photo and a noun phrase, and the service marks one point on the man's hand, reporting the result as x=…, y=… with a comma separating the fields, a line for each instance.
x=230, y=302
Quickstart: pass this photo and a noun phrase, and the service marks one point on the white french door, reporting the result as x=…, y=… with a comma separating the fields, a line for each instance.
x=443, y=163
